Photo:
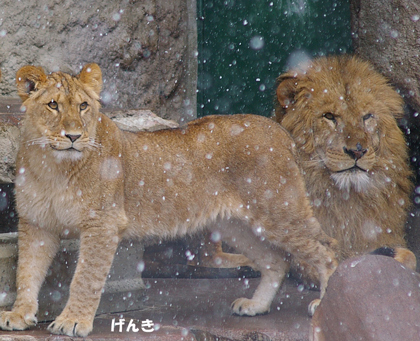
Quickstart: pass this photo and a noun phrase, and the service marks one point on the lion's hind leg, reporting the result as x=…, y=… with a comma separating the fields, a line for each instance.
x=308, y=242
x=271, y=262
x=211, y=254
x=305, y=240
x=260, y=303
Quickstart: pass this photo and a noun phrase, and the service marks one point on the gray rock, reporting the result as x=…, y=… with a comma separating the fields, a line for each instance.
x=9, y=137
x=146, y=49
x=140, y=120
x=386, y=33
x=369, y=298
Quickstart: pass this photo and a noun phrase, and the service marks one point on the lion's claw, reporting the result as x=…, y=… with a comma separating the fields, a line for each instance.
x=312, y=306
x=70, y=327
x=248, y=307
x=10, y=320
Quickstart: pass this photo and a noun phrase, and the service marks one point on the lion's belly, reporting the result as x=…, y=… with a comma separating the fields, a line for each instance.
x=168, y=217
x=172, y=206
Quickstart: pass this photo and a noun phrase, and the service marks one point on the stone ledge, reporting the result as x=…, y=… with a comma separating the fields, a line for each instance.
x=199, y=309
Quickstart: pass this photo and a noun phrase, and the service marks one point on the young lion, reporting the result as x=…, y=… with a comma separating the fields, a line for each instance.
x=78, y=173
x=342, y=115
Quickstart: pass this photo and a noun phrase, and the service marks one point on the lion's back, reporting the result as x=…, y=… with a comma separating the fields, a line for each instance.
x=213, y=162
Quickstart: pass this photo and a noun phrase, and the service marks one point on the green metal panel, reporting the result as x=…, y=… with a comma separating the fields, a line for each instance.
x=243, y=47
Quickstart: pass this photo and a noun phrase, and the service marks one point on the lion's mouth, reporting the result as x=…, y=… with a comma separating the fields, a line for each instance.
x=66, y=149
x=70, y=153
x=352, y=169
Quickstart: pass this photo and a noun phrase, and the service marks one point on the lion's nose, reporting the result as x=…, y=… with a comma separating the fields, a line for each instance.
x=357, y=153
x=73, y=138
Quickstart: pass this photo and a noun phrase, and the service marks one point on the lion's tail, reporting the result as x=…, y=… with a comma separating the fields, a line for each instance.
x=400, y=254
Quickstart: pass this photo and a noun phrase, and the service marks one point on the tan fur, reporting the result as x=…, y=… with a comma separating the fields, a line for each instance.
x=210, y=254
x=341, y=102
x=77, y=173
x=406, y=257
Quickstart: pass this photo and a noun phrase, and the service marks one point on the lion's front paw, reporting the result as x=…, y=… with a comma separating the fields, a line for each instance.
x=71, y=327
x=312, y=306
x=245, y=306
x=10, y=320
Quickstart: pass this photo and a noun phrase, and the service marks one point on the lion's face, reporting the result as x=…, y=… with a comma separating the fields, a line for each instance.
x=345, y=141
x=342, y=116
x=62, y=109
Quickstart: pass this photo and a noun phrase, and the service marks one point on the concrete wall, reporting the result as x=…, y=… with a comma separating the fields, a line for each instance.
x=146, y=49
x=387, y=34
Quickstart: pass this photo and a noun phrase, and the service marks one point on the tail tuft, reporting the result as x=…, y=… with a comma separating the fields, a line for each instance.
x=384, y=251
x=400, y=254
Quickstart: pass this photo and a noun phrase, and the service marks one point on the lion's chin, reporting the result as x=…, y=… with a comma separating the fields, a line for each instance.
x=67, y=154
x=356, y=179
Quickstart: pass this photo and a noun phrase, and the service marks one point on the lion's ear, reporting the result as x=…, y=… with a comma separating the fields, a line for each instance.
x=28, y=79
x=91, y=75
x=286, y=91
x=285, y=95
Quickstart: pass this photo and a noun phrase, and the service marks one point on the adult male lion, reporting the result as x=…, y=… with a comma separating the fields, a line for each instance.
x=342, y=115
x=79, y=173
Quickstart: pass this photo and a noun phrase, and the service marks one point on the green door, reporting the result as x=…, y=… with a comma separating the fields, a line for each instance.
x=244, y=45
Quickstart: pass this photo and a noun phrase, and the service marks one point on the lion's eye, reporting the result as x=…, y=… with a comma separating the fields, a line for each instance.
x=53, y=105
x=367, y=116
x=83, y=106
x=329, y=116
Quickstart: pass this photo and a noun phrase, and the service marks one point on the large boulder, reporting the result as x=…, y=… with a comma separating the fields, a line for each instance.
x=369, y=298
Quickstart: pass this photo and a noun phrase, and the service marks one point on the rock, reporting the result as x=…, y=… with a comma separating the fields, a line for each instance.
x=369, y=298
x=413, y=233
x=146, y=49
x=386, y=34
x=9, y=137
x=140, y=120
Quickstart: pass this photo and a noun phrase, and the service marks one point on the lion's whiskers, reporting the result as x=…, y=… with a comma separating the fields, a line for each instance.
x=39, y=141
x=315, y=162
x=92, y=144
